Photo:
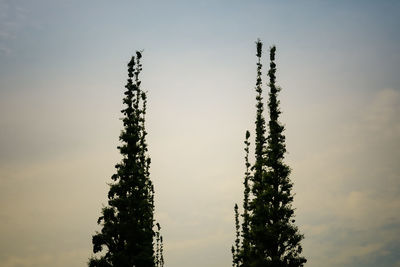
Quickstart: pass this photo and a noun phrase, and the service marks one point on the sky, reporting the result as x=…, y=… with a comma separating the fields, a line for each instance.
x=62, y=76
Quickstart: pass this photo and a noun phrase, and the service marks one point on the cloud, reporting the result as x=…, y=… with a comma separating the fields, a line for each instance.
x=13, y=18
x=349, y=192
x=59, y=259
x=48, y=210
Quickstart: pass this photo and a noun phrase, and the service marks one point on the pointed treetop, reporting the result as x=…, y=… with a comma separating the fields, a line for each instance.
x=247, y=134
x=139, y=54
x=272, y=54
x=259, y=47
x=132, y=62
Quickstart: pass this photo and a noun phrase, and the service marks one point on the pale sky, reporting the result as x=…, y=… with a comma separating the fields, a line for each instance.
x=62, y=76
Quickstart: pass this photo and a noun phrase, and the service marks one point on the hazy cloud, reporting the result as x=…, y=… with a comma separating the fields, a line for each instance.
x=60, y=97
x=13, y=17
x=355, y=187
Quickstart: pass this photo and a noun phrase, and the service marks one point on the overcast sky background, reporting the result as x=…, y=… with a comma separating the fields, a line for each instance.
x=62, y=76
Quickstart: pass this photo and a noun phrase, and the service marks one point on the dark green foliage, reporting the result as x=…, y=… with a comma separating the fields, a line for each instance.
x=269, y=236
x=159, y=248
x=245, y=250
x=282, y=239
x=260, y=130
x=126, y=237
x=241, y=250
x=161, y=252
x=236, y=249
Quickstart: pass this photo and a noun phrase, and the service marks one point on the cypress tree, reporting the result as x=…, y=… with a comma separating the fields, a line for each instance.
x=161, y=252
x=281, y=241
x=158, y=245
x=245, y=250
x=159, y=260
x=126, y=237
x=241, y=249
x=258, y=204
x=236, y=249
x=242, y=256
x=269, y=236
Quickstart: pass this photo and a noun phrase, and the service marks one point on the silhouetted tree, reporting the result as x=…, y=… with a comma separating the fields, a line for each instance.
x=241, y=248
x=236, y=250
x=126, y=237
x=276, y=238
x=245, y=250
x=256, y=205
x=161, y=252
x=159, y=247
x=243, y=254
x=269, y=236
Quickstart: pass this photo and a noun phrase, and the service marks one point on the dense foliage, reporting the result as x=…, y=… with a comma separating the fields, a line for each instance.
x=268, y=235
x=126, y=237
